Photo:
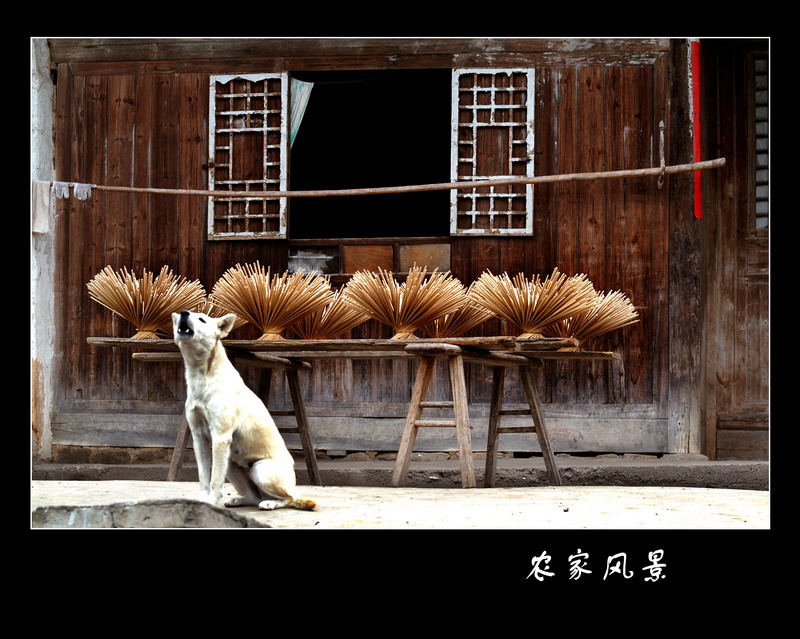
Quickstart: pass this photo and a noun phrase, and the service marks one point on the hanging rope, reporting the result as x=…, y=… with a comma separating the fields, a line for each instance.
x=659, y=171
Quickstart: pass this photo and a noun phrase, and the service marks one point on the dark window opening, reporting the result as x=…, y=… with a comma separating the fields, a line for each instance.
x=366, y=129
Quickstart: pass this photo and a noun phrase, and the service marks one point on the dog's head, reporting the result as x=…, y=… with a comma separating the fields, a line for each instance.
x=201, y=328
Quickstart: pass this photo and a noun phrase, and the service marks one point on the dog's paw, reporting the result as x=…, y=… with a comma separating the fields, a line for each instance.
x=236, y=501
x=270, y=504
x=209, y=499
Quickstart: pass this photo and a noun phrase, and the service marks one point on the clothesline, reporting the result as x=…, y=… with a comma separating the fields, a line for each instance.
x=82, y=191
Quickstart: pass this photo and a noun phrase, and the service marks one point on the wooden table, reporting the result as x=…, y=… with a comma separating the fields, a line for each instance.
x=499, y=353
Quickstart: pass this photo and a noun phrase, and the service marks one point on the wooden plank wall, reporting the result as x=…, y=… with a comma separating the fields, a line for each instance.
x=614, y=231
x=149, y=130
x=737, y=263
x=121, y=125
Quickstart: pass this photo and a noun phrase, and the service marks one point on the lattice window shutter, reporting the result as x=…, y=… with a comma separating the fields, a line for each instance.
x=248, y=138
x=492, y=137
x=761, y=123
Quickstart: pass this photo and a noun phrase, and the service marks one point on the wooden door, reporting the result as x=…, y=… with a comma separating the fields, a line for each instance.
x=736, y=125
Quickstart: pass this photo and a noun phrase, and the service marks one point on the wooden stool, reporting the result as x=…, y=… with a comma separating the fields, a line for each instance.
x=290, y=367
x=496, y=412
x=429, y=353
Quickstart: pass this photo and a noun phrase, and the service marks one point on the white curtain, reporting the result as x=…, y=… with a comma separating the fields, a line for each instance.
x=298, y=100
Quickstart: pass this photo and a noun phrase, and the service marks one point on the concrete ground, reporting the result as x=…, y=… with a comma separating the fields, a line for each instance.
x=160, y=504
x=680, y=493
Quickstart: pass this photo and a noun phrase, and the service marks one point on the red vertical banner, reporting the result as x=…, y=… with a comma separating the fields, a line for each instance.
x=696, y=128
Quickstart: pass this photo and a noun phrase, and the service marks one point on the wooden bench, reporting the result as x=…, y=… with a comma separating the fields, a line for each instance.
x=499, y=353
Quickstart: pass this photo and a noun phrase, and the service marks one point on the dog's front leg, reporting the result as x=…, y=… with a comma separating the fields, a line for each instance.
x=220, y=455
x=201, y=444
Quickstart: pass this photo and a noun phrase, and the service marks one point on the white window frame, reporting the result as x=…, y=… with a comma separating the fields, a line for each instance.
x=460, y=194
x=280, y=184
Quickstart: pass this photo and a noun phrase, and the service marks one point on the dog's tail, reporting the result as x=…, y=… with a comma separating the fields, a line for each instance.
x=302, y=504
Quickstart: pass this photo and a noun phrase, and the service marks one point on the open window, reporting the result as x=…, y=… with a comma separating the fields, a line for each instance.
x=369, y=129
x=363, y=129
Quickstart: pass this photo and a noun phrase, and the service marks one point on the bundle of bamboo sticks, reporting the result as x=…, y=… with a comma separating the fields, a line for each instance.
x=408, y=306
x=330, y=322
x=531, y=305
x=147, y=303
x=469, y=315
x=212, y=309
x=436, y=303
x=270, y=302
x=610, y=311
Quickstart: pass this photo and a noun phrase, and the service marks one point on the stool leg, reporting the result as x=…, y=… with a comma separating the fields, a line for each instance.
x=493, y=436
x=541, y=429
x=302, y=426
x=179, y=452
x=424, y=372
x=458, y=387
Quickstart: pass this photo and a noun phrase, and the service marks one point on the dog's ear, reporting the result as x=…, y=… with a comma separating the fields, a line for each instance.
x=226, y=324
x=175, y=319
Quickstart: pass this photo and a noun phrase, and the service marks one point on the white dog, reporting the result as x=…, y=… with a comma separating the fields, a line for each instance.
x=233, y=433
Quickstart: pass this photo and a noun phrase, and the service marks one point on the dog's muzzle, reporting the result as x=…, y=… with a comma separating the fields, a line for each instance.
x=184, y=329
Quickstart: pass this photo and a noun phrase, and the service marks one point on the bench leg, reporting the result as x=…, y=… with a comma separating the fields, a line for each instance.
x=179, y=452
x=541, y=430
x=493, y=434
x=424, y=372
x=458, y=387
x=302, y=426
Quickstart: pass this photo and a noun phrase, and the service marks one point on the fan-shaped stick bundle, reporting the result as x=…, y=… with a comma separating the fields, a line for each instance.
x=531, y=305
x=469, y=315
x=270, y=302
x=147, y=303
x=609, y=312
x=330, y=322
x=212, y=309
x=408, y=306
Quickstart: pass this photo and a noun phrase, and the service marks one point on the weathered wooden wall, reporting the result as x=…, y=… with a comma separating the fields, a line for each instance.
x=144, y=123
x=736, y=261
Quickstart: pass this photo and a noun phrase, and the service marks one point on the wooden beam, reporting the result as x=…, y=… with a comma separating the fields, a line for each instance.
x=555, y=50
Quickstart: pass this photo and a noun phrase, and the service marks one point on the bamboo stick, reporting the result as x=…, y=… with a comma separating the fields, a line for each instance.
x=542, y=179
